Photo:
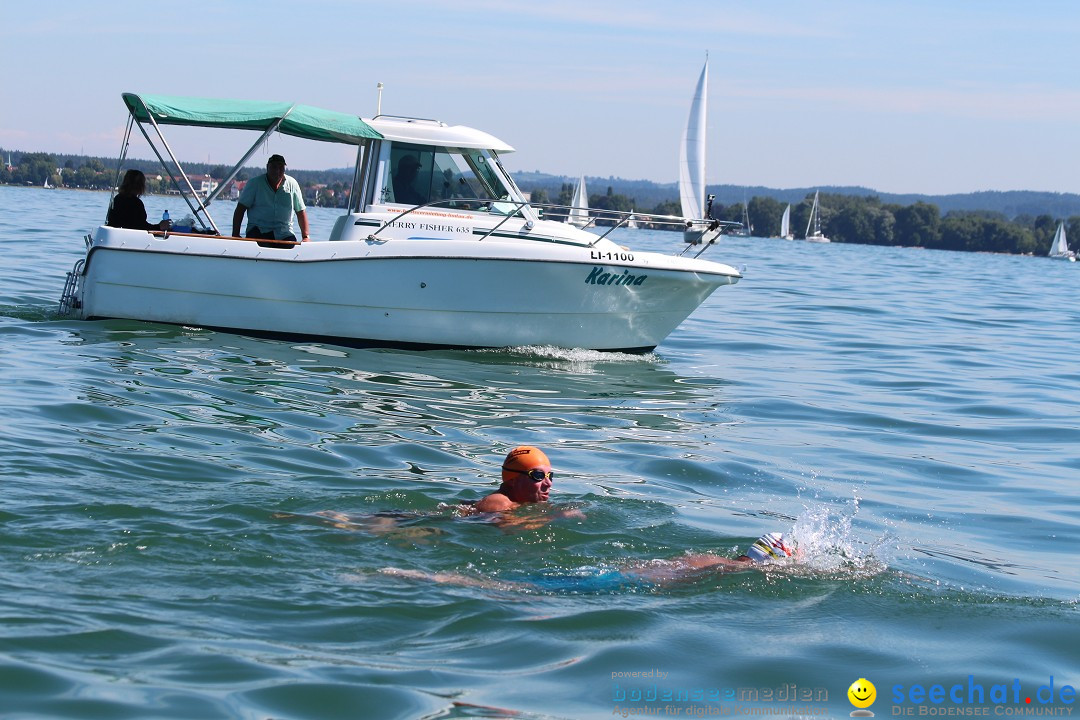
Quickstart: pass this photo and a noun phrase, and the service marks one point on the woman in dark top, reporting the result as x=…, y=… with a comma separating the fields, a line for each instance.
x=127, y=209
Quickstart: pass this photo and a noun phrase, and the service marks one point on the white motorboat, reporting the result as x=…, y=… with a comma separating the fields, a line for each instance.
x=1059, y=248
x=473, y=266
x=813, y=227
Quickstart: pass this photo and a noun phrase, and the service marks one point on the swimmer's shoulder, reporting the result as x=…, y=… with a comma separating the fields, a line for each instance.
x=495, y=502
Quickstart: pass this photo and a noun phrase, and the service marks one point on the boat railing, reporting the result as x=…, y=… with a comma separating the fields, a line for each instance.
x=601, y=219
x=614, y=219
x=207, y=232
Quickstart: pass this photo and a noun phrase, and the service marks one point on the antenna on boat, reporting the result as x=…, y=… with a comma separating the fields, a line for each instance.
x=378, y=104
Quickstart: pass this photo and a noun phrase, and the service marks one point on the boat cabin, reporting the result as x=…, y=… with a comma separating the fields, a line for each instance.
x=424, y=161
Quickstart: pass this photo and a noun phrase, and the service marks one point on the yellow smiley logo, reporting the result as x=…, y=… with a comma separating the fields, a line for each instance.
x=862, y=693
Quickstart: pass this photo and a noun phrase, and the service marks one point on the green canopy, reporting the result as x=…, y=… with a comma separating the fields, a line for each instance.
x=302, y=121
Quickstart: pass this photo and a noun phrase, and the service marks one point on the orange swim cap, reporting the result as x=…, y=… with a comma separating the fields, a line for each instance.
x=523, y=458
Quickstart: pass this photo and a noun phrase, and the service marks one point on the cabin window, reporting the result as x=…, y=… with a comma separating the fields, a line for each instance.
x=408, y=181
x=449, y=177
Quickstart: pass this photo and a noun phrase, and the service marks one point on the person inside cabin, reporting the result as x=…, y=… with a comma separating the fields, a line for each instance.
x=269, y=200
x=127, y=209
x=408, y=168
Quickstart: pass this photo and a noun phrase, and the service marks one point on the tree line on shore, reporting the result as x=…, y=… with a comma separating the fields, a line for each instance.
x=866, y=220
x=844, y=218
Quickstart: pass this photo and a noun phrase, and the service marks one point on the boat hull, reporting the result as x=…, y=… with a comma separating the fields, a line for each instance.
x=402, y=293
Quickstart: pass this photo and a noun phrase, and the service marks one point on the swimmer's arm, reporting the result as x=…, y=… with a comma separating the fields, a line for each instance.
x=502, y=507
x=509, y=521
x=688, y=567
x=325, y=517
x=375, y=524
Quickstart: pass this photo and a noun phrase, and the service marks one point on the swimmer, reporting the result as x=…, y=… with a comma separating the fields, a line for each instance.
x=526, y=478
x=770, y=548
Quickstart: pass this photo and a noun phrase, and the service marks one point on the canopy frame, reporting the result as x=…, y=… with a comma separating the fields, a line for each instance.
x=314, y=124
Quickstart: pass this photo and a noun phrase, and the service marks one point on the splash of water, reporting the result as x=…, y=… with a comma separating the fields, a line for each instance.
x=829, y=544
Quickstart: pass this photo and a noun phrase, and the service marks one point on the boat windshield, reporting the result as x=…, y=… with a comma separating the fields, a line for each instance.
x=465, y=179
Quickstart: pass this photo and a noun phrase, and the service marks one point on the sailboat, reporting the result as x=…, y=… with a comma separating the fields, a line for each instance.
x=631, y=222
x=815, y=223
x=1059, y=249
x=47, y=185
x=785, y=225
x=579, y=213
x=696, y=211
x=692, y=157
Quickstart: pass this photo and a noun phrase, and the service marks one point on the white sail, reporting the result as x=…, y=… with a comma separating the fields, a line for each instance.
x=631, y=222
x=1059, y=249
x=692, y=153
x=785, y=224
x=579, y=214
x=1060, y=246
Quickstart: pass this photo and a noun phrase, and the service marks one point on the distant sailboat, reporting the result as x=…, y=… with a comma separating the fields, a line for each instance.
x=785, y=225
x=631, y=222
x=742, y=229
x=48, y=185
x=1059, y=249
x=579, y=213
x=815, y=223
x=692, y=156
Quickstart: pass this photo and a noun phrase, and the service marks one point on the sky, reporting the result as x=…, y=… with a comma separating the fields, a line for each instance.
x=934, y=97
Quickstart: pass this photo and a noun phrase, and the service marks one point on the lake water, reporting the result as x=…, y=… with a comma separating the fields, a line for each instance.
x=913, y=417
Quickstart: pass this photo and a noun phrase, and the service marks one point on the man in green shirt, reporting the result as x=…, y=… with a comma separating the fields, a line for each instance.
x=270, y=201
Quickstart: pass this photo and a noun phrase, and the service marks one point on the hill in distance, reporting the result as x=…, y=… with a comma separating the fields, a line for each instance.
x=1010, y=203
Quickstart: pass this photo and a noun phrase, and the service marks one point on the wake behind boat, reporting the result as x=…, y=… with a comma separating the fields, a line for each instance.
x=473, y=265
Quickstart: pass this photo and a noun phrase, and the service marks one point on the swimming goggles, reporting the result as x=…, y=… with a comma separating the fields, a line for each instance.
x=536, y=474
